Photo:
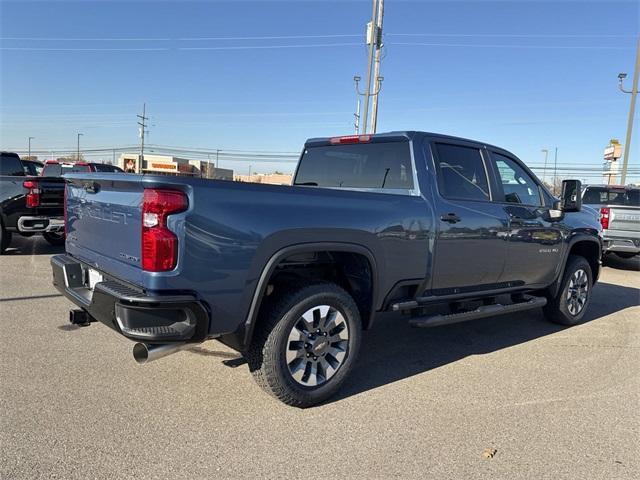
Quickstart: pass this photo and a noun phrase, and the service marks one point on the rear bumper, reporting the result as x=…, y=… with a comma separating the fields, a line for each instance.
x=40, y=224
x=623, y=245
x=135, y=314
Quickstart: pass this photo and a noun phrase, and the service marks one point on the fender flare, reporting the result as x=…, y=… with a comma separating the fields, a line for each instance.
x=285, y=252
x=577, y=238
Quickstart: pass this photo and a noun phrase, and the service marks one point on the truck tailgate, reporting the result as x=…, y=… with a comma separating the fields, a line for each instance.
x=624, y=219
x=104, y=223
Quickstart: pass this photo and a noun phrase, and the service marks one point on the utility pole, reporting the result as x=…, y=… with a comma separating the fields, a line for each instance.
x=374, y=41
x=376, y=66
x=30, y=138
x=143, y=126
x=555, y=171
x=632, y=108
x=544, y=170
x=78, y=151
x=217, y=153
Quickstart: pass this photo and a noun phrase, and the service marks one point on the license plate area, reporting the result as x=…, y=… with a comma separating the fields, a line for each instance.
x=91, y=277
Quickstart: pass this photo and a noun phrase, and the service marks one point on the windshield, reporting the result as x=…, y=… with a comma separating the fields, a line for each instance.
x=611, y=196
x=370, y=165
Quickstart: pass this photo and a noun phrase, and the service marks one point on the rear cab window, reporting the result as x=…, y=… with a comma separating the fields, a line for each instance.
x=103, y=167
x=10, y=165
x=59, y=169
x=611, y=196
x=383, y=166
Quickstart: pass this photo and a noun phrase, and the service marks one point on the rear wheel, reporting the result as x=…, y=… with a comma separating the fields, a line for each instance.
x=306, y=344
x=570, y=304
x=54, y=238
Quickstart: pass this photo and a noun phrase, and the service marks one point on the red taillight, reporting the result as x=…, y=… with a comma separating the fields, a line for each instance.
x=159, y=244
x=33, y=195
x=350, y=139
x=604, y=217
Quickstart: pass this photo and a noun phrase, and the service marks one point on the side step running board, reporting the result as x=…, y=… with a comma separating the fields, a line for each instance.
x=480, y=312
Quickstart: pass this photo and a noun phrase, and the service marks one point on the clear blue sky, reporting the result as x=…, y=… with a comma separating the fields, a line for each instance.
x=525, y=75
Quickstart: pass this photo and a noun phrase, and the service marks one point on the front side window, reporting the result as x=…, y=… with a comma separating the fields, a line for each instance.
x=461, y=173
x=517, y=184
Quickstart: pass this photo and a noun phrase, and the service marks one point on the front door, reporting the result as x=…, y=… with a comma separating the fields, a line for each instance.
x=535, y=242
x=471, y=245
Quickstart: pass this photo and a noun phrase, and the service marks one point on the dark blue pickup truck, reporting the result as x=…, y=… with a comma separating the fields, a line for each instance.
x=290, y=275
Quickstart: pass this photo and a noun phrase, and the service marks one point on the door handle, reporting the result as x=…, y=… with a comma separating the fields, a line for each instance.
x=450, y=218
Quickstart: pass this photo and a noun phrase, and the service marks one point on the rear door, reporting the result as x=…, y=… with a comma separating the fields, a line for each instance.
x=471, y=246
x=535, y=244
x=104, y=223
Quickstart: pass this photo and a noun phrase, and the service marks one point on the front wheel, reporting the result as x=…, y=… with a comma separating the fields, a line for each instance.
x=55, y=239
x=570, y=303
x=306, y=344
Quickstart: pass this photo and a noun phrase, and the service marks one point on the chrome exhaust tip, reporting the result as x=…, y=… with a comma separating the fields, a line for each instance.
x=145, y=353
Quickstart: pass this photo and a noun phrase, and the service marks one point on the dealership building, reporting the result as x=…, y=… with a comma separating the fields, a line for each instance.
x=170, y=165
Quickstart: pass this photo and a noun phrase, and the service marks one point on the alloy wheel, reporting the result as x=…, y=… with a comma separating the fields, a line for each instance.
x=317, y=345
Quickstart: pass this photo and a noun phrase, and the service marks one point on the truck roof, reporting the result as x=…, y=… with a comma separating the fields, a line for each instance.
x=403, y=135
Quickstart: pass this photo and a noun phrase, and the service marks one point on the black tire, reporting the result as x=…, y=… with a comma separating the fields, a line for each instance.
x=560, y=308
x=55, y=239
x=267, y=355
x=5, y=239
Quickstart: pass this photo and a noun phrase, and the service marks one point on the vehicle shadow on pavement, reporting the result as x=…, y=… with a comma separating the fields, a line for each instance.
x=35, y=245
x=393, y=351
x=618, y=263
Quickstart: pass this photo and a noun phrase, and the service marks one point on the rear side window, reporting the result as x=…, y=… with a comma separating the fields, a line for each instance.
x=11, y=165
x=365, y=165
x=611, y=196
x=517, y=184
x=461, y=173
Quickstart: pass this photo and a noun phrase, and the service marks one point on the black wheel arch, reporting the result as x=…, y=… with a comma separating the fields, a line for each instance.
x=587, y=246
x=241, y=339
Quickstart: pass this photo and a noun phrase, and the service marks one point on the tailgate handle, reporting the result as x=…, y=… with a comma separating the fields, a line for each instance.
x=92, y=187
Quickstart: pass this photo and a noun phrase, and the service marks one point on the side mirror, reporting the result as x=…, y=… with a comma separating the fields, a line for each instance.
x=571, y=197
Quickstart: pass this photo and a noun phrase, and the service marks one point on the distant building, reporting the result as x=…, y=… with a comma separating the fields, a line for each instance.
x=268, y=178
x=170, y=165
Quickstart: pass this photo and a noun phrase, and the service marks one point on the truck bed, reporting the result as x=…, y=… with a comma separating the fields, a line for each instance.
x=230, y=230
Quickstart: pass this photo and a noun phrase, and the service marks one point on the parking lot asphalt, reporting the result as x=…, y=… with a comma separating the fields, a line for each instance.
x=553, y=402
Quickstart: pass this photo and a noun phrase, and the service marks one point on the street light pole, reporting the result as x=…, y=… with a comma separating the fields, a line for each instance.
x=78, y=152
x=544, y=170
x=632, y=108
x=555, y=171
x=30, y=138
